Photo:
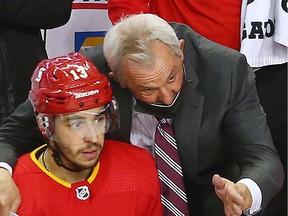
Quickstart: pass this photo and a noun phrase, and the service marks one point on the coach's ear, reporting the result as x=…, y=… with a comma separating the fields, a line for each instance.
x=181, y=45
x=114, y=77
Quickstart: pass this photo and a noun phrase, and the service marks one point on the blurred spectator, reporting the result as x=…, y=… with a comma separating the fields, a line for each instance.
x=217, y=21
x=264, y=42
x=22, y=46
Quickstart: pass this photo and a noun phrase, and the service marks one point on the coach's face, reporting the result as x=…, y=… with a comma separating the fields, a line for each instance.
x=159, y=83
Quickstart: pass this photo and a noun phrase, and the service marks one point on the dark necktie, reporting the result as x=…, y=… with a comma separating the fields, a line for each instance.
x=173, y=196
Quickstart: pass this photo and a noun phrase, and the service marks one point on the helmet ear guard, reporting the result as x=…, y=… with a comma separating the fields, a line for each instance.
x=45, y=125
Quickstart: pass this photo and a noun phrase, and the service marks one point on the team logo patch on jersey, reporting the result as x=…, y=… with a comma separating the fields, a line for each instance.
x=82, y=193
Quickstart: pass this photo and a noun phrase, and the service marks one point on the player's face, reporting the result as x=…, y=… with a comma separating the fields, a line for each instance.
x=79, y=137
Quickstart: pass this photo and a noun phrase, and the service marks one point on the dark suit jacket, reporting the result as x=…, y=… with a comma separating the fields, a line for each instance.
x=221, y=127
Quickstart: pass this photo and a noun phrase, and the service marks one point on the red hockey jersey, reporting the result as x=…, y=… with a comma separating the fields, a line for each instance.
x=125, y=182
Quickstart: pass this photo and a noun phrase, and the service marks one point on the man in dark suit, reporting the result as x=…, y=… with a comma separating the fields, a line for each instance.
x=209, y=94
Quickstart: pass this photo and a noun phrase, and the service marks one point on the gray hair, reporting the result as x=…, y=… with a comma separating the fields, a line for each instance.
x=131, y=38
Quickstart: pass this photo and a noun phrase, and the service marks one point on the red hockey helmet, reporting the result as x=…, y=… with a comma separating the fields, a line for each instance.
x=68, y=84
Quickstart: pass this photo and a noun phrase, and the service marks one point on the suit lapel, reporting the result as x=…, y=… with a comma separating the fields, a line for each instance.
x=186, y=128
x=187, y=124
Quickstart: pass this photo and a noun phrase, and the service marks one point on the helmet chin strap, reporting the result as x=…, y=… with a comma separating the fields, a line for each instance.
x=58, y=161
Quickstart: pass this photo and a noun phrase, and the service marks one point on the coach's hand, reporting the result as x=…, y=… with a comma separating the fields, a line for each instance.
x=235, y=197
